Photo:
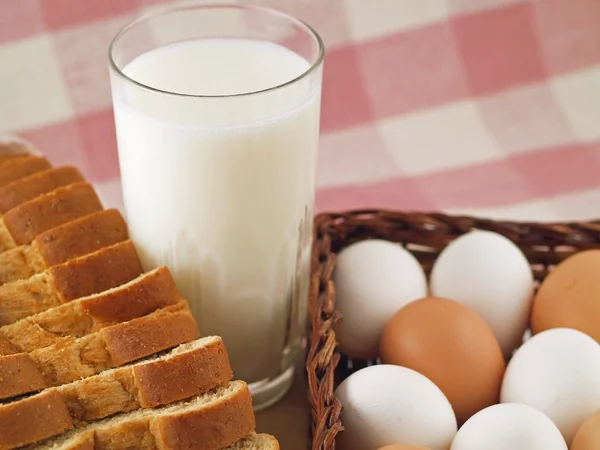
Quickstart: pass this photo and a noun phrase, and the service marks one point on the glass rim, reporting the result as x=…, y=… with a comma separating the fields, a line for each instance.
x=197, y=5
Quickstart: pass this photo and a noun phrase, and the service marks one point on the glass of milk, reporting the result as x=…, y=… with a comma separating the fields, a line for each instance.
x=217, y=119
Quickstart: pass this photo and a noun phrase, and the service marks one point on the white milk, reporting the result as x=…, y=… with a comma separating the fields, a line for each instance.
x=221, y=190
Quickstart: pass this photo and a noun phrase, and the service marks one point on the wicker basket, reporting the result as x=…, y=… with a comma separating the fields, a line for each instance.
x=425, y=235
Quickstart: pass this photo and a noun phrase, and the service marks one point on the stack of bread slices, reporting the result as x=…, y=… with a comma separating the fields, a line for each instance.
x=95, y=353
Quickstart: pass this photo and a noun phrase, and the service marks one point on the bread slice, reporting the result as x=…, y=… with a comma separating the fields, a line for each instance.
x=114, y=346
x=85, y=441
x=137, y=298
x=22, y=224
x=63, y=243
x=190, y=369
x=24, y=189
x=14, y=168
x=255, y=442
x=105, y=269
x=210, y=421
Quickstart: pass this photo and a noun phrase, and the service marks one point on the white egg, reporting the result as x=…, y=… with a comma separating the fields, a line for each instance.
x=509, y=426
x=557, y=372
x=373, y=279
x=488, y=273
x=387, y=404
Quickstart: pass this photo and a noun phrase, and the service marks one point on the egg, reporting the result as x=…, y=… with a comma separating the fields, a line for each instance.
x=569, y=297
x=373, y=279
x=386, y=404
x=510, y=426
x=452, y=346
x=488, y=273
x=403, y=447
x=588, y=435
x=557, y=372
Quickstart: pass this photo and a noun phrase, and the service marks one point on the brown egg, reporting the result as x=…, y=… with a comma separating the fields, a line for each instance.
x=452, y=346
x=569, y=297
x=588, y=435
x=403, y=447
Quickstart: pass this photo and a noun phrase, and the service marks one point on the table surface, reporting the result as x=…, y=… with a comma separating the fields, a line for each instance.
x=289, y=420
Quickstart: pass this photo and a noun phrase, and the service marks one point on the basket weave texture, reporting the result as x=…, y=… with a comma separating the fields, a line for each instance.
x=425, y=235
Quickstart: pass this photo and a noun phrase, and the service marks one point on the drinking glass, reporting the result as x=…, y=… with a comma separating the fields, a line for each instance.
x=217, y=119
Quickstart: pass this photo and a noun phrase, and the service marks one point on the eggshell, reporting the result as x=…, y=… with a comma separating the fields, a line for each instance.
x=373, y=279
x=557, y=372
x=569, y=297
x=403, y=447
x=385, y=404
x=452, y=346
x=488, y=273
x=509, y=426
x=588, y=435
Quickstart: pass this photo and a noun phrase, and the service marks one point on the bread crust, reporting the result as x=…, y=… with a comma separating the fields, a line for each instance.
x=34, y=423
x=141, y=296
x=214, y=427
x=97, y=272
x=70, y=359
x=122, y=390
x=145, y=429
x=27, y=188
x=81, y=237
x=50, y=210
x=63, y=243
x=12, y=169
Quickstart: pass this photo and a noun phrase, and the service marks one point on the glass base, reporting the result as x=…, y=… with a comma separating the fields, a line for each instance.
x=267, y=392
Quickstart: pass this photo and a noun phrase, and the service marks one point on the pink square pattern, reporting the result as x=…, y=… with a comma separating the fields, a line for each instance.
x=356, y=155
x=345, y=99
x=20, y=19
x=528, y=117
x=62, y=144
x=499, y=48
x=97, y=132
x=506, y=57
x=568, y=33
x=412, y=70
x=66, y=13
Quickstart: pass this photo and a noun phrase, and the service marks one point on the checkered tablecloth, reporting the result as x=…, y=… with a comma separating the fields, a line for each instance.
x=488, y=107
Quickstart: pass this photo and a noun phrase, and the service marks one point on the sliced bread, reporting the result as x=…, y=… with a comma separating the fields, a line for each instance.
x=85, y=441
x=24, y=189
x=188, y=370
x=104, y=269
x=255, y=442
x=70, y=359
x=141, y=296
x=210, y=421
x=63, y=243
x=14, y=168
x=22, y=224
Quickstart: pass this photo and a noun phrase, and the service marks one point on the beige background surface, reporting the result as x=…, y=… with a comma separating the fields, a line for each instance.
x=289, y=420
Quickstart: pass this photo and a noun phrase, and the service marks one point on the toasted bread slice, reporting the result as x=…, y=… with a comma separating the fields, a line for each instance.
x=105, y=269
x=255, y=442
x=137, y=298
x=70, y=359
x=63, y=243
x=12, y=169
x=190, y=369
x=22, y=224
x=27, y=188
x=210, y=421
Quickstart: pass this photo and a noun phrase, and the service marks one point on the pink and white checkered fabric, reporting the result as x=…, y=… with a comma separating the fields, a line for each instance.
x=486, y=107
